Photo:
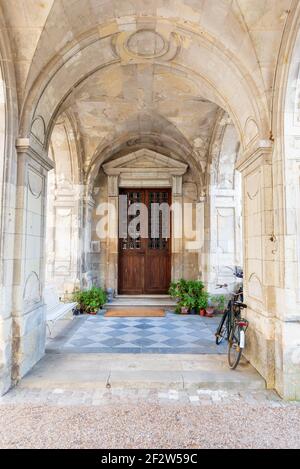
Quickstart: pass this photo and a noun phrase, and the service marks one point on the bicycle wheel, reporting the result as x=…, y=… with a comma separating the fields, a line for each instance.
x=234, y=349
x=222, y=329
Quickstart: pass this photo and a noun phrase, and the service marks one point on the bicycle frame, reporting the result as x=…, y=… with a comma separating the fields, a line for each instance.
x=230, y=314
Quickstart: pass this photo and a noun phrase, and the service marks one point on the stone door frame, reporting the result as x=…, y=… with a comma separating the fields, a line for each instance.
x=143, y=168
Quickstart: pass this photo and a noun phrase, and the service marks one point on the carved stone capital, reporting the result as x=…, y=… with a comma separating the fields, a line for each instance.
x=260, y=155
x=35, y=151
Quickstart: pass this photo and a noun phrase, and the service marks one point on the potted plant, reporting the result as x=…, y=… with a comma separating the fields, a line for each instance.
x=210, y=308
x=184, y=309
x=90, y=301
x=218, y=303
x=178, y=289
x=202, y=303
x=186, y=304
x=189, y=294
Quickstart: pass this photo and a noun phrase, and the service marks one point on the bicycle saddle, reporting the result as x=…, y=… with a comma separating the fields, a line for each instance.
x=240, y=305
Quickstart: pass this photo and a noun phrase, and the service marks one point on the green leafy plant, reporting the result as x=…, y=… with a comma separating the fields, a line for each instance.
x=218, y=301
x=187, y=301
x=178, y=289
x=202, y=300
x=90, y=300
x=189, y=294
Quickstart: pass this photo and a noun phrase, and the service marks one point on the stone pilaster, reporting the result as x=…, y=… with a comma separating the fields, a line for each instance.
x=177, y=228
x=29, y=325
x=87, y=254
x=7, y=236
x=287, y=268
x=113, y=233
x=271, y=216
x=259, y=257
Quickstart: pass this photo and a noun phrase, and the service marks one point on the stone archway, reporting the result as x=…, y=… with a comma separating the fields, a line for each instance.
x=153, y=79
x=64, y=209
x=53, y=93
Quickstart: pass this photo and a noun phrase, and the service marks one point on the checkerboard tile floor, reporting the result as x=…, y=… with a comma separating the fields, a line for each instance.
x=171, y=334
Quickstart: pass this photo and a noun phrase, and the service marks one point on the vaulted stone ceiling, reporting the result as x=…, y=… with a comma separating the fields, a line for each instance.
x=145, y=100
x=41, y=28
x=144, y=75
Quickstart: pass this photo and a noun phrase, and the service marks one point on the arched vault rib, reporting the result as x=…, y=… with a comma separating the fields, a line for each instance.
x=128, y=144
x=225, y=80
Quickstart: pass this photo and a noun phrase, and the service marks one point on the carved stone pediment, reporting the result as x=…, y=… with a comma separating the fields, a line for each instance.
x=145, y=161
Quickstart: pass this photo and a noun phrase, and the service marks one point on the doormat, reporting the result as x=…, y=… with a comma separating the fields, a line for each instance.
x=135, y=313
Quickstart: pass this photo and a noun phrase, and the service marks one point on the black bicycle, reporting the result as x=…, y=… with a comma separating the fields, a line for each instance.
x=225, y=326
x=236, y=340
x=232, y=326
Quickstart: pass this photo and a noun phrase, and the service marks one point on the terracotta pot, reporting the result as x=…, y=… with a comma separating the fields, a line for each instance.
x=210, y=312
x=202, y=312
x=93, y=313
x=184, y=310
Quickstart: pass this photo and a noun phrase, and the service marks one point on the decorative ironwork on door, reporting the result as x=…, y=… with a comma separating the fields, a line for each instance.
x=158, y=220
x=133, y=240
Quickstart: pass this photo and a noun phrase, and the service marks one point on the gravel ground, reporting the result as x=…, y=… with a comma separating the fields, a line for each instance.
x=149, y=425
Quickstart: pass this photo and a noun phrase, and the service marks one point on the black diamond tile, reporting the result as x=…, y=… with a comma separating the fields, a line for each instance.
x=118, y=325
x=174, y=342
x=143, y=326
x=113, y=342
x=204, y=342
x=143, y=342
x=115, y=333
x=173, y=333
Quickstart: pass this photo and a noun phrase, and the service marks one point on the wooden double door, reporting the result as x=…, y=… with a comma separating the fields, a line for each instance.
x=145, y=242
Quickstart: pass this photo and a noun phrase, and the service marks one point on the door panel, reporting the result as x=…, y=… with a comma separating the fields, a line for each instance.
x=131, y=251
x=158, y=252
x=145, y=263
x=157, y=279
x=131, y=267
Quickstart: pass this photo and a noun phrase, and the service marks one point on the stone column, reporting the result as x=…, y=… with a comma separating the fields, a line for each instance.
x=177, y=228
x=113, y=233
x=29, y=323
x=259, y=258
x=87, y=267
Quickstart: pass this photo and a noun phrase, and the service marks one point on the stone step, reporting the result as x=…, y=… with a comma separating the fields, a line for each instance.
x=142, y=296
x=163, y=372
x=159, y=301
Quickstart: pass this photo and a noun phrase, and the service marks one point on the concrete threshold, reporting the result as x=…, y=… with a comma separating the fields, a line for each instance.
x=125, y=371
